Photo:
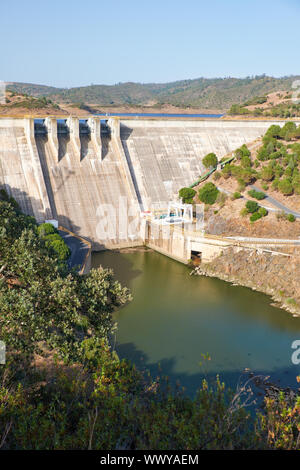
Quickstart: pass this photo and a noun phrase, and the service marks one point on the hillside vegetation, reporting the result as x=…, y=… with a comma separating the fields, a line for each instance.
x=279, y=104
x=214, y=93
x=62, y=387
x=272, y=164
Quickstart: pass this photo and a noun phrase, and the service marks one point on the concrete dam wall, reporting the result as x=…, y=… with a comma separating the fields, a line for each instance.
x=166, y=155
x=87, y=175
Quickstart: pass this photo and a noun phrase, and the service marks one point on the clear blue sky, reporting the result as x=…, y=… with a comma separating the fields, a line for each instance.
x=73, y=43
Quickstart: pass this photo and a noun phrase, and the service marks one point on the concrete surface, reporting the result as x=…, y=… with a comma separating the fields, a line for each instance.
x=80, y=180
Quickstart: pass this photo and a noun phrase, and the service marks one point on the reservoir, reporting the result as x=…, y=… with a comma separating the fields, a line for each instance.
x=174, y=318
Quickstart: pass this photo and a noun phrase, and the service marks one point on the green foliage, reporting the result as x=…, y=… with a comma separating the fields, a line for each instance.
x=61, y=249
x=252, y=206
x=210, y=160
x=285, y=187
x=208, y=193
x=262, y=211
x=63, y=388
x=50, y=304
x=46, y=229
x=291, y=218
x=267, y=173
x=187, y=195
x=243, y=151
x=237, y=195
x=259, y=195
x=54, y=241
x=212, y=93
x=256, y=216
x=246, y=161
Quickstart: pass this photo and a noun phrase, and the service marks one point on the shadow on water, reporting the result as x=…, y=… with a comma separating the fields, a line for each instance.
x=191, y=382
x=122, y=266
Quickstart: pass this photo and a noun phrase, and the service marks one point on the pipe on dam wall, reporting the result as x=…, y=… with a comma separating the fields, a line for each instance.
x=81, y=180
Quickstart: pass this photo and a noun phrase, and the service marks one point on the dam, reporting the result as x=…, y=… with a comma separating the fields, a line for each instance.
x=91, y=175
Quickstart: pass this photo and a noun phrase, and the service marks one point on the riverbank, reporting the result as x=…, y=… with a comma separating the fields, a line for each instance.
x=277, y=276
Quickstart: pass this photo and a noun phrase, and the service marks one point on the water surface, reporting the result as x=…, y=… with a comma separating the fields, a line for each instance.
x=175, y=317
x=165, y=115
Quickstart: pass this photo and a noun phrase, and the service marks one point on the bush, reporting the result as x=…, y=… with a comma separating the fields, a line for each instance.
x=267, y=173
x=285, y=187
x=291, y=218
x=187, y=195
x=275, y=183
x=241, y=183
x=52, y=236
x=246, y=162
x=259, y=195
x=237, y=195
x=210, y=160
x=255, y=217
x=262, y=211
x=208, y=193
x=61, y=249
x=252, y=206
x=46, y=229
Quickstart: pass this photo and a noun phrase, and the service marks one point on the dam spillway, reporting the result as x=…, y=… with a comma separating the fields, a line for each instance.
x=78, y=171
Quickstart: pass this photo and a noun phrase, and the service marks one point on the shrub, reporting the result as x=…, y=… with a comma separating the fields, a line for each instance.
x=217, y=175
x=262, y=211
x=291, y=218
x=61, y=249
x=46, y=229
x=252, y=206
x=285, y=187
x=187, y=195
x=275, y=183
x=255, y=217
x=259, y=195
x=243, y=151
x=210, y=160
x=267, y=173
x=208, y=193
x=237, y=195
x=246, y=162
x=52, y=236
x=242, y=184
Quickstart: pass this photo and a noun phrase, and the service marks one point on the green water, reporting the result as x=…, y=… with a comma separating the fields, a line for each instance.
x=174, y=318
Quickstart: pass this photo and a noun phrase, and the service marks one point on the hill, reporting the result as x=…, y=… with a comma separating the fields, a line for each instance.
x=202, y=93
x=278, y=104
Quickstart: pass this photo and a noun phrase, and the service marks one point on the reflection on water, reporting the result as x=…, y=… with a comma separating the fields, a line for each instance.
x=174, y=318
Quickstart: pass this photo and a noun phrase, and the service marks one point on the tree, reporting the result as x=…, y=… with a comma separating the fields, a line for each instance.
x=46, y=229
x=187, y=195
x=285, y=187
x=208, y=193
x=252, y=206
x=267, y=173
x=255, y=216
x=210, y=160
